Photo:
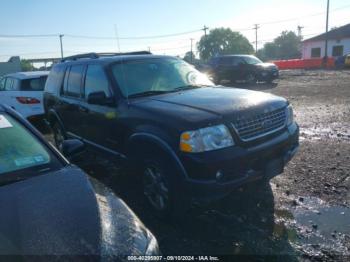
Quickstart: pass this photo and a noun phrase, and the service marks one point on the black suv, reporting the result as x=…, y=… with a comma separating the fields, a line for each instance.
x=191, y=139
x=248, y=68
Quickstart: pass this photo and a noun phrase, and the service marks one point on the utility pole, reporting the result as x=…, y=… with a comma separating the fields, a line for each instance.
x=149, y=49
x=191, y=50
x=205, y=28
x=256, y=27
x=326, y=36
x=299, y=31
x=61, y=36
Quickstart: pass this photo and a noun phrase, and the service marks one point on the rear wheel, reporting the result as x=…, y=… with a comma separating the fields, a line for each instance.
x=58, y=135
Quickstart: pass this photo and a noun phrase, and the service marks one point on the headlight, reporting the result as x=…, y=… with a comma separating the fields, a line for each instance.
x=290, y=117
x=206, y=139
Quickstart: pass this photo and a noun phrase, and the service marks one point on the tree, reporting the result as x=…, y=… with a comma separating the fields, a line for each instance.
x=26, y=65
x=222, y=41
x=189, y=57
x=285, y=46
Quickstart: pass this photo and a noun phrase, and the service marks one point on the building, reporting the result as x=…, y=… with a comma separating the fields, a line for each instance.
x=12, y=66
x=338, y=44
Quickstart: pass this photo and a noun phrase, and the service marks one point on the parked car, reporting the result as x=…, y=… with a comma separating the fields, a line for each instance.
x=50, y=207
x=347, y=60
x=246, y=68
x=191, y=141
x=23, y=92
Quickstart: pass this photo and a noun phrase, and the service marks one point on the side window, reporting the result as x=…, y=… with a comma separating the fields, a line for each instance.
x=2, y=83
x=96, y=81
x=237, y=61
x=316, y=52
x=9, y=84
x=73, y=85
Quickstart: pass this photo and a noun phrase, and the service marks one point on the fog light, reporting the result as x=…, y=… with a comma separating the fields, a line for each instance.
x=219, y=175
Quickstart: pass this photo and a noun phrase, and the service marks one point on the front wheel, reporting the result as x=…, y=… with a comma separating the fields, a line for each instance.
x=250, y=78
x=159, y=179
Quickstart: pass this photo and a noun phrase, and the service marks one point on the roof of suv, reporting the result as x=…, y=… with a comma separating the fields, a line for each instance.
x=28, y=75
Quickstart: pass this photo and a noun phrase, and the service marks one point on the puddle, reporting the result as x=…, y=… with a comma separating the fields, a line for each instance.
x=313, y=226
x=323, y=133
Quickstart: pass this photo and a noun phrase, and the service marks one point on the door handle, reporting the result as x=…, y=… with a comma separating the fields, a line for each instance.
x=83, y=109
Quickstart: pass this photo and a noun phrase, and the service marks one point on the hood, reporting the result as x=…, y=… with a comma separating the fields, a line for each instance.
x=60, y=213
x=267, y=65
x=211, y=104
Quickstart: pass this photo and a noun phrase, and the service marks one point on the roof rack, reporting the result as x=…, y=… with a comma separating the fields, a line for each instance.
x=98, y=55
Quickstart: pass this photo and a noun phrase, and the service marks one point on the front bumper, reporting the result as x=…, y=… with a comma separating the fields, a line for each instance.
x=266, y=75
x=238, y=165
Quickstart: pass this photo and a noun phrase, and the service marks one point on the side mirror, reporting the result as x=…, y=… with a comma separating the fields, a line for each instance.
x=72, y=147
x=97, y=98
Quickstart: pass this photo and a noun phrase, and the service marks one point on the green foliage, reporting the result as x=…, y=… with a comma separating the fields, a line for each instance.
x=189, y=57
x=26, y=65
x=222, y=41
x=285, y=46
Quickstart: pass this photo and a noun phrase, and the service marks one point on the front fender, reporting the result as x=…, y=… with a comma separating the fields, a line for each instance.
x=155, y=142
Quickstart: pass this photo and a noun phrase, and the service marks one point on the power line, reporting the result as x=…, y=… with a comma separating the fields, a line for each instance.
x=28, y=36
x=135, y=37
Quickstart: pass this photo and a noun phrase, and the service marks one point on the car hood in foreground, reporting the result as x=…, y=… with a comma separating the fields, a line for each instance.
x=61, y=213
x=209, y=103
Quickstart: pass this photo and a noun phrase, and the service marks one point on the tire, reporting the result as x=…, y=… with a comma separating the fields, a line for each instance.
x=159, y=187
x=250, y=78
x=58, y=135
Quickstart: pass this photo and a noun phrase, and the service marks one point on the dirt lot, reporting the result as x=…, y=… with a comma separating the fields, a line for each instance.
x=302, y=215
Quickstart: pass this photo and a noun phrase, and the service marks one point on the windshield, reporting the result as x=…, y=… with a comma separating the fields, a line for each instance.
x=20, y=152
x=156, y=75
x=252, y=60
x=33, y=84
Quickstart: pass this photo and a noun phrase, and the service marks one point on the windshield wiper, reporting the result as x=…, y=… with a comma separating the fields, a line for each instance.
x=187, y=87
x=148, y=93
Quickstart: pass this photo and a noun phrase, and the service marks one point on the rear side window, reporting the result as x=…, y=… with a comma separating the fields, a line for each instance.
x=9, y=84
x=225, y=61
x=54, y=81
x=2, y=84
x=96, y=81
x=34, y=84
x=72, y=84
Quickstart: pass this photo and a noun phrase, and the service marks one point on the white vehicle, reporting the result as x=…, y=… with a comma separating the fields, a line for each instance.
x=23, y=91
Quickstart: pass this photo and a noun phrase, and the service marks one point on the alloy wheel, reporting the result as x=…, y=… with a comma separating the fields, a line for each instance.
x=155, y=188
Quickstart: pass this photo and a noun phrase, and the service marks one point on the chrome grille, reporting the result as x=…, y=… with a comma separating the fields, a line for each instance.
x=250, y=128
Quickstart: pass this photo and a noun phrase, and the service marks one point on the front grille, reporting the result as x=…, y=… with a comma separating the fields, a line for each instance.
x=250, y=128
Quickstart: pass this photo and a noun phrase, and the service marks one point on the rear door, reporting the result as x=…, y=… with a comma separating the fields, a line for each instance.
x=98, y=120
x=71, y=95
x=30, y=95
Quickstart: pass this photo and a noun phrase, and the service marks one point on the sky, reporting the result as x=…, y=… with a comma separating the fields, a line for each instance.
x=109, y=20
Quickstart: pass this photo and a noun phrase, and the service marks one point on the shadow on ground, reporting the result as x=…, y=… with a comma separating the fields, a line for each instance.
x=242, y=224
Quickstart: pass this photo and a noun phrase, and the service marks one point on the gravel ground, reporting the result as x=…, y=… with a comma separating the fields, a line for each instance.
x=302, y=214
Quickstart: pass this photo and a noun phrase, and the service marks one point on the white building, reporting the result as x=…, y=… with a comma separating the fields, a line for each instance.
x=338, y=44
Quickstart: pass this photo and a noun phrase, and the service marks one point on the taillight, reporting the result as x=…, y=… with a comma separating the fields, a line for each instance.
x=27, y=100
